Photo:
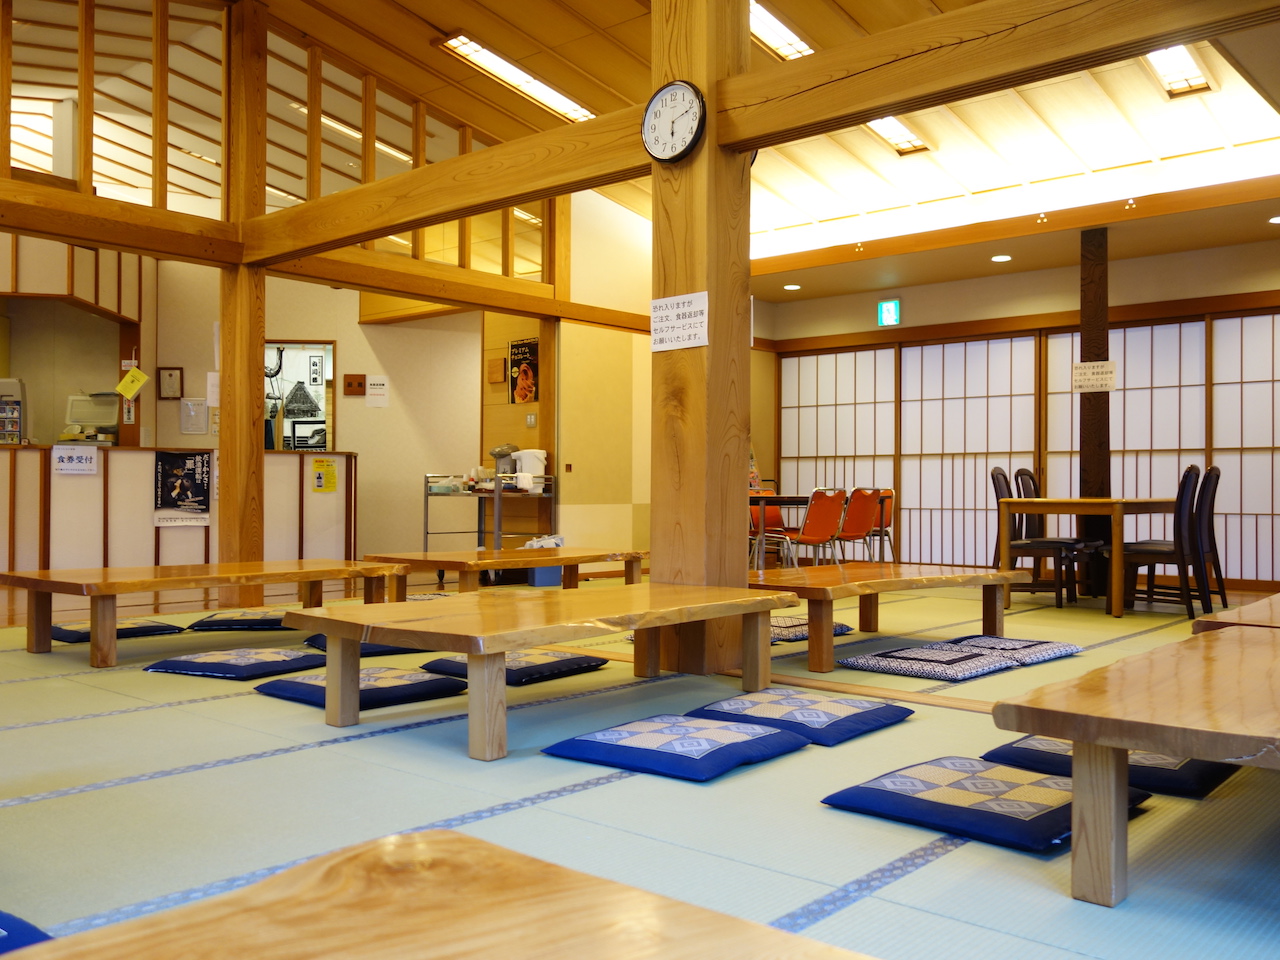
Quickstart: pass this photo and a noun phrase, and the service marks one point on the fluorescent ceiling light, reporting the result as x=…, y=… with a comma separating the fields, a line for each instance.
x=508, y=74
x=791, y=286
x=355, y=134
x=527, y=217
x=286, y=195
x=1001, y=258
x=1178, y=70
x=896, y=134
x=773, y=33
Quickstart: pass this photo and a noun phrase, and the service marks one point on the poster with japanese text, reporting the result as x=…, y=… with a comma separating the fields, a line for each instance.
x=522, y=357
x=182, y=489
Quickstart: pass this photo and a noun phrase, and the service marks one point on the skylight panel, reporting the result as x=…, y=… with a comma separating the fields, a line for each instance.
x=1178, y=70
x=771, y=32
x=508, y=74
x=894, y=132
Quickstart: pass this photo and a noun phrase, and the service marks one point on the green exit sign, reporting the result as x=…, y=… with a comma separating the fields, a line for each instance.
x=888, y=313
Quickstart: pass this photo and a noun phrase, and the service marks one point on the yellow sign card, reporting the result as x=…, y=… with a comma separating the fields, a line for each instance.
x=324, y=475
x=131, y=384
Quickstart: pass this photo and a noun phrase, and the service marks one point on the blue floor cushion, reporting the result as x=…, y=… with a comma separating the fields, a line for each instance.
x=819, y=717
x=379, y=687
x=688, y=748
x=524, y=666
x=242, y=664
x=1023, y=651
x=787, y=629
x=972, y=798
x=321, y=642
x=949, y=663
x=15, y=933
x=268, y=619
x=1147, y=771
x=77, y=631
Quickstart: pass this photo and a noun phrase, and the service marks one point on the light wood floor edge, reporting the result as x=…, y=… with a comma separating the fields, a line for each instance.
x=850, y=689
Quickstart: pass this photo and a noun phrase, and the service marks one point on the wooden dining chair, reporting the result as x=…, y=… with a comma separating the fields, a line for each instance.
x=1033, y=526
x=1180, y=552
x=1039, y=549
x=1206, y=537
x=821, y=521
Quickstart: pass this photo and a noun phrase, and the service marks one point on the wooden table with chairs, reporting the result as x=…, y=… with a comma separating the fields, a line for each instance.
x=831, y=519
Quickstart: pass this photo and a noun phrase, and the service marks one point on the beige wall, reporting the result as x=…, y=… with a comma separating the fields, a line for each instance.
x=764, y=412
x=187, y=316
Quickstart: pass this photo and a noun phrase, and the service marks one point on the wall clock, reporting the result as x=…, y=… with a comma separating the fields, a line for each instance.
x=673, y=121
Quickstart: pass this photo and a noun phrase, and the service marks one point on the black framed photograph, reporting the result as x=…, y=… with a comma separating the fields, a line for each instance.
x=169, y=383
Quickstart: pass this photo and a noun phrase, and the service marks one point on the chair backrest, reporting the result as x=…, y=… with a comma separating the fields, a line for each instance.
x=1206, y=540
x=822, y=516
x=772, y=515
x=886, y=494
x=1028, y=486
x=861, y=515
x=1003, y=490
x=1184, y=531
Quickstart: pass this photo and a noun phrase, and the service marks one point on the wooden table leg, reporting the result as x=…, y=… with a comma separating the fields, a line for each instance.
x=311, y=593
x=1099, y=823
x=756, y=640
x=487, y=705
x=569, y=576
x=868, y=612
x=1006, y=558
x=39, y=621
x=468, y=581
x=822, y=639
x=102, y=631
x=375, y=590
x=397, y=587
x=993, y=609
x=1115, y=596
x=648, y=652
x=342, y=682
x=631, y=570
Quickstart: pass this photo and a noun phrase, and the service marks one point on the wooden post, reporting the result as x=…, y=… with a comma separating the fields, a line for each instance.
x=701, y=411
x=1095, y=408
x=243, y=308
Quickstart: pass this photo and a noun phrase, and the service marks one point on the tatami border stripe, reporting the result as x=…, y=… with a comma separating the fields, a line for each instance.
x=124, y=710
x=855, y=890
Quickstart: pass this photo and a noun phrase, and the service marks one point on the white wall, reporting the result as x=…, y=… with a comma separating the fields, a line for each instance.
x=187, y=310
x=611, y=255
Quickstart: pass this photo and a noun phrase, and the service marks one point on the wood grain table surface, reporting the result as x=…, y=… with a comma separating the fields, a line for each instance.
x=470, y=563
x=1260, y=613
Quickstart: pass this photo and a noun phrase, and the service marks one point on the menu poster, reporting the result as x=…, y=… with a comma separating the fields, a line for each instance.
x=182, y=489
x=522, y=358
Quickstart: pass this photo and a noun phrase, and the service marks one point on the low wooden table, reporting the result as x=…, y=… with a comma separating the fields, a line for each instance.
x=1212, y=697
x=469, y=563
x=1260, y=613
x=103, y=584
x=822, y=584
x=486, y=624
x=436, y=894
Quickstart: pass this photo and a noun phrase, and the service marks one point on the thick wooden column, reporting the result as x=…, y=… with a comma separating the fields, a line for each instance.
x=243, y=305
x=1095, y=408
x=701, y=419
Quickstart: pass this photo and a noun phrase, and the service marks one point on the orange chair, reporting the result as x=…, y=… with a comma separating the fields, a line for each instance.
x=861, y=516
x=822, y=518
x=881, y=532
x=775, y=532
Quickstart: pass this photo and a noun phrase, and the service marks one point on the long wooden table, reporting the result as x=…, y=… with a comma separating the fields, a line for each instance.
x=103, y=584
x=1260, y=613
x=1212, y=697
x=486, y=624
x=822, y=584
x=1117, y=508
x=438, y=894
x=470, y=563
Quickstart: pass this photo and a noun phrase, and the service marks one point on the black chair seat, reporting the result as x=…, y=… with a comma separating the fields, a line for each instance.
x=1050, y=543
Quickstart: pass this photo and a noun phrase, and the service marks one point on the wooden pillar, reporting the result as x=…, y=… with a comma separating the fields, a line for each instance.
x=701, y=409
x=243, y=306
x=1095, y=408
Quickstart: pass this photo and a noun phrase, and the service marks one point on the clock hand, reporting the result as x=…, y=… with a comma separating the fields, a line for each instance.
x=677, y=117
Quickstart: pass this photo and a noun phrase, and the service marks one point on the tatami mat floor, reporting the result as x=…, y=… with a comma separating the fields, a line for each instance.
x=123, y=792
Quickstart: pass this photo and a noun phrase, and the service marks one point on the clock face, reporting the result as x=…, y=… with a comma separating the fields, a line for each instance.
x=673, y=121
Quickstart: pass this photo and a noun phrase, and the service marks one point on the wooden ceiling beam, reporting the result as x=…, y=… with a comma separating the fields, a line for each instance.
x=42, y=211
x=979, y=49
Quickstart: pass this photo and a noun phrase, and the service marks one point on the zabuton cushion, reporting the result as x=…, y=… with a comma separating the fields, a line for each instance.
x=77, y=631
x=241, y=664
x=379, y=687
x=1023, y=651
x=972, y=798
x=931, y=663
x=689, y=748
x=321, y=642
x=16, y=932
x=786, y=629
x=242, y=620
x=819, y=717
x=1147, y=771
x=524, y=666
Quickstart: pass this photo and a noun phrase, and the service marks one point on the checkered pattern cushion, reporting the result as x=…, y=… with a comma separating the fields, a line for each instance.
x=1023, y=651
x=259, y=619
x=16, y=932
x=786, y=629
x=321, y=643
x=379, y=687
x=1147, y=771
x=972, y=798
x=819, y=717
x=77, y=631
x=948, y=663
x=525, y=666
x=689, y=748
x=240, y=664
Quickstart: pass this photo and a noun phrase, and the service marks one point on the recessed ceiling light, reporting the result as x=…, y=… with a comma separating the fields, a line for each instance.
x=505, y=72
x=791, y=286
x=1178, y=70
x=1001, y=258
x=1274, y=220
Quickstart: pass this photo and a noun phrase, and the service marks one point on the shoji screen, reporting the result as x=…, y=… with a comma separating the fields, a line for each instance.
x=1157, y=415
x=837, y=421
x=1246, y=426
x=966, y=407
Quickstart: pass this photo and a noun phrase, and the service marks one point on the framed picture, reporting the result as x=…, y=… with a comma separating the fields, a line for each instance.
x=169, y=383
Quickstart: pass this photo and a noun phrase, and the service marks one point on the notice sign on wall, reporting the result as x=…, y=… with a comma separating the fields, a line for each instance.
x=1095, y=376
x=68, y=458
x=324, y=475
x=182, y=489
x=678, y=322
